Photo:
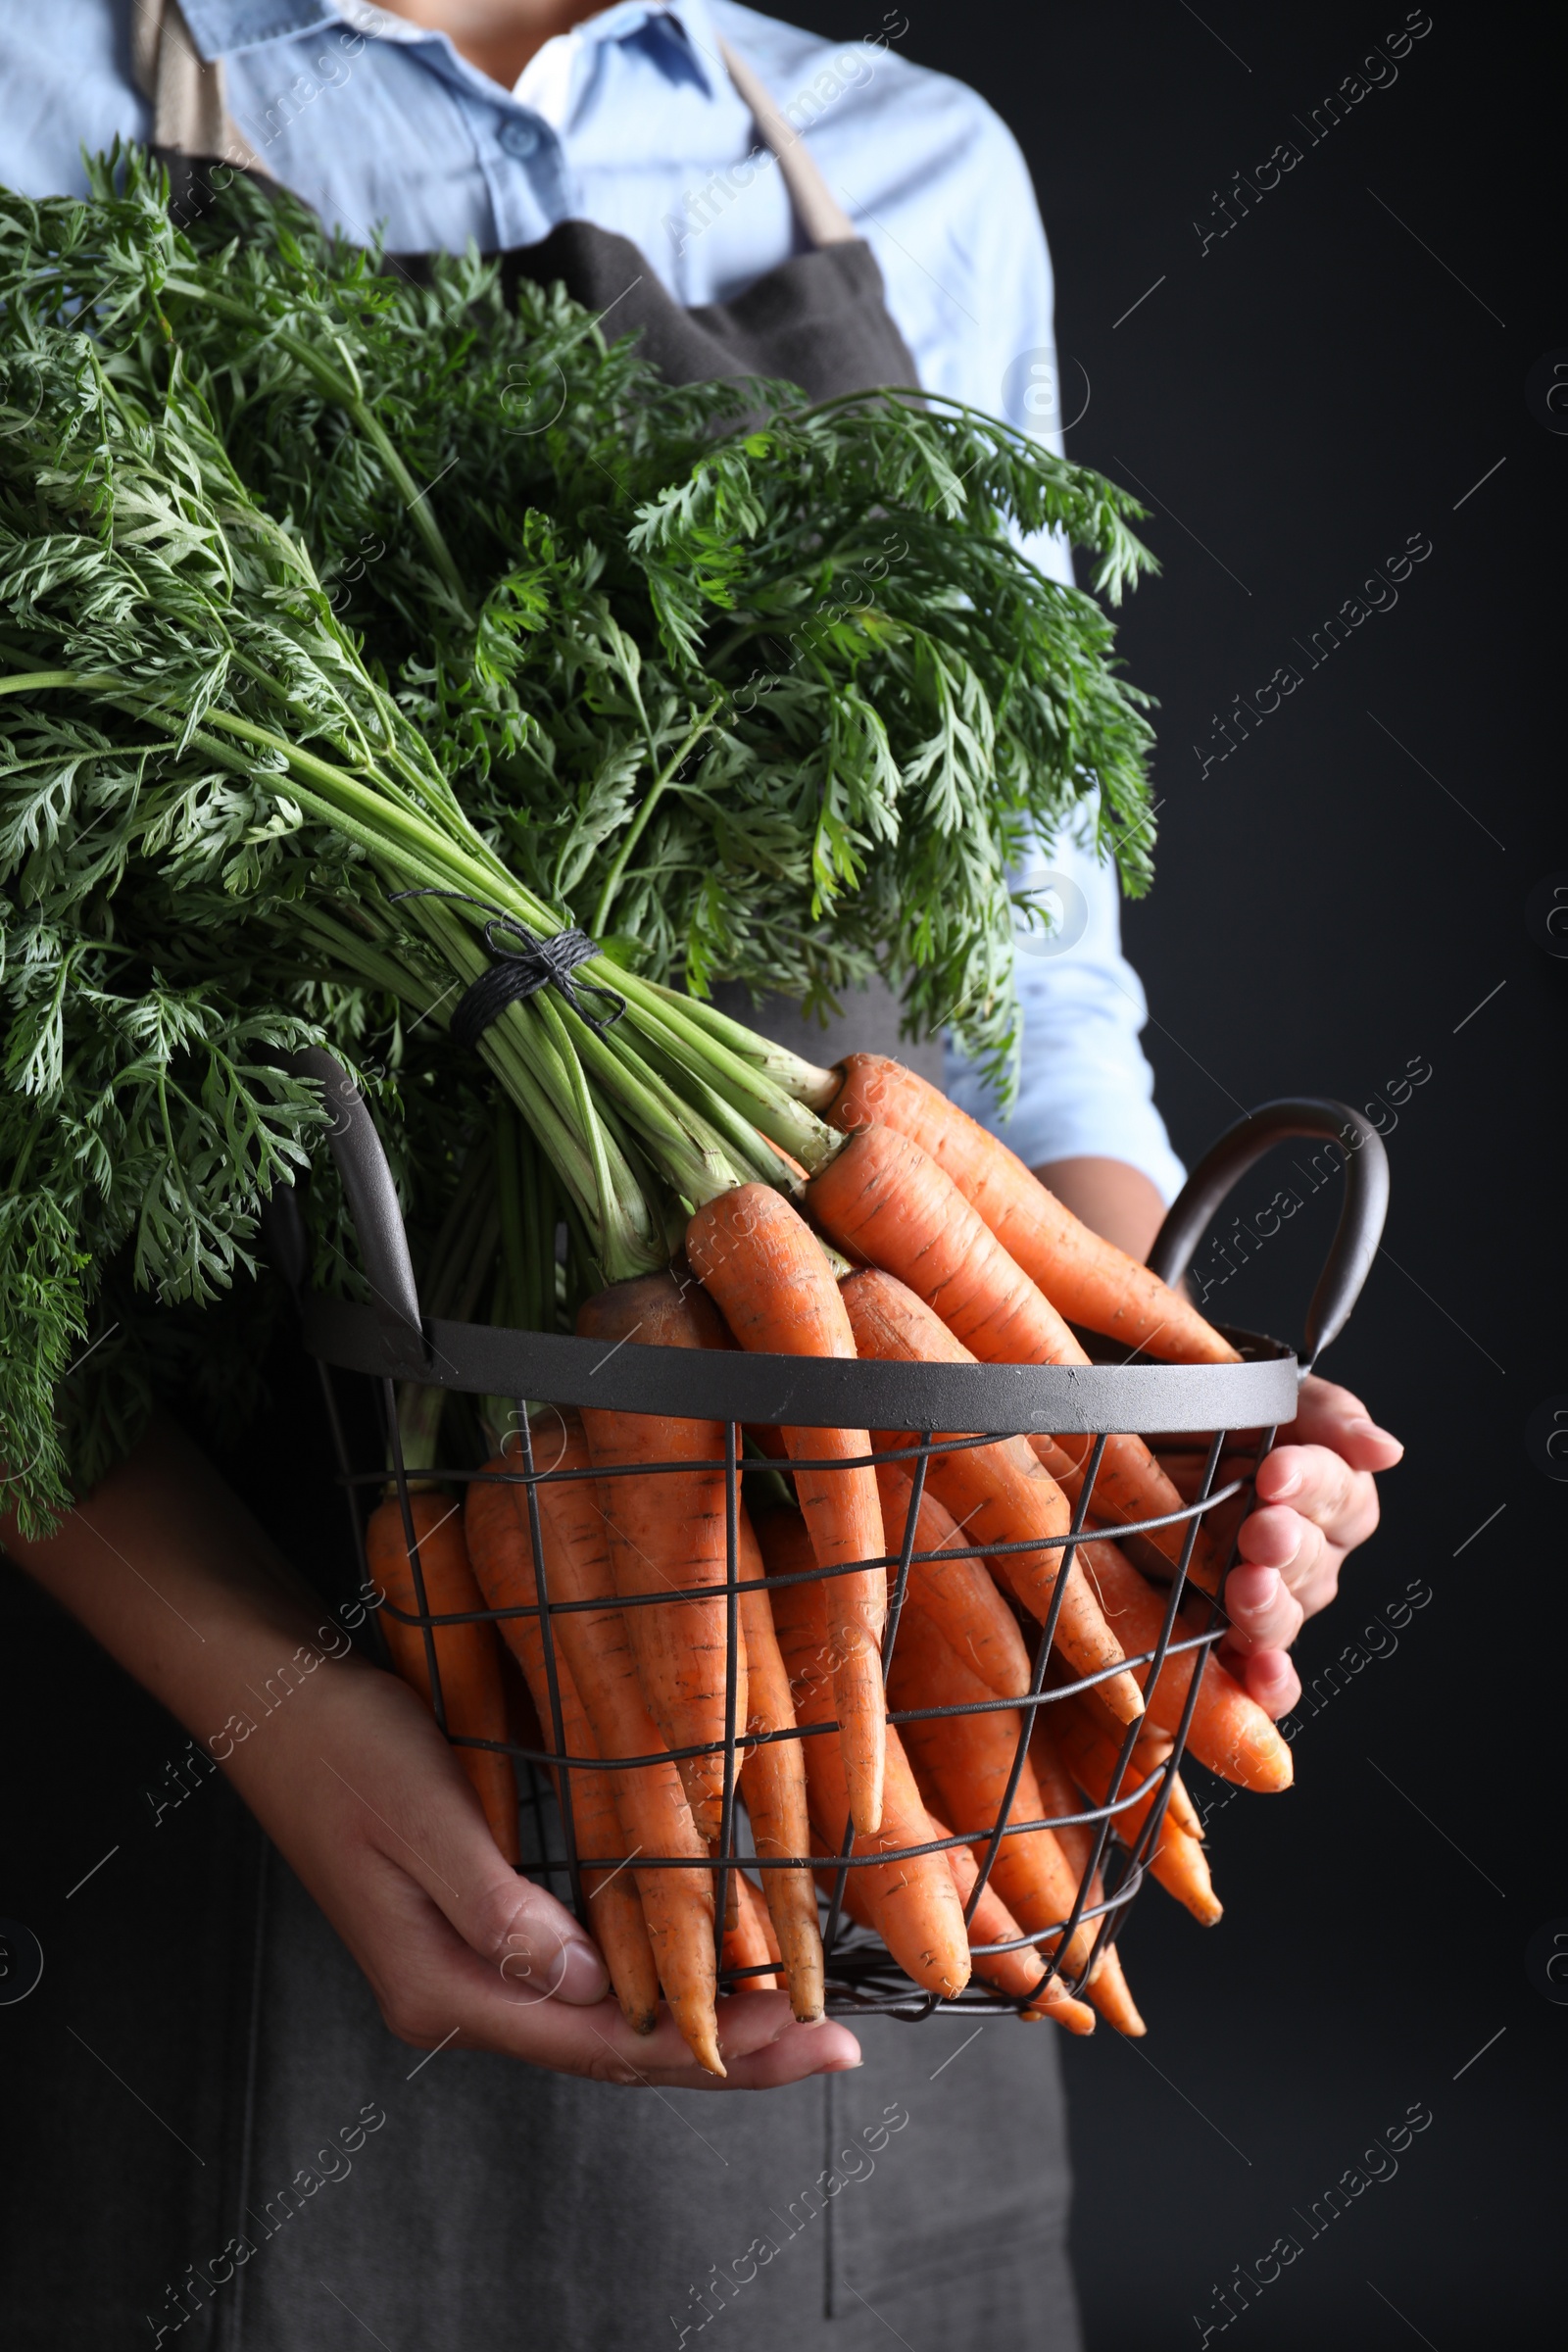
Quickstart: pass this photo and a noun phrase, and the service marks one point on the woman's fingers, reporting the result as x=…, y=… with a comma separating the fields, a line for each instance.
x=401, y=1789
x=377, y=1816
x=1326, y=1415
x=1321, y=1485
x=1313, y=1510
x=436, y=1992
x=798, y=2051
x=1265, y=1613
x=1268, y=1676
x=762, y=2046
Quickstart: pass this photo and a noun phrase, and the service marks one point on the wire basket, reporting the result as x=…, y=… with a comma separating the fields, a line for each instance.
x=387, y=1342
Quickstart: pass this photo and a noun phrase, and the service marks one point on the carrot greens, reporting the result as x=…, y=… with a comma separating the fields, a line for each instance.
x=355, y=631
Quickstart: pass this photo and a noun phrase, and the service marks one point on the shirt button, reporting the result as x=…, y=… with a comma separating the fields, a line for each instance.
x=518, y=137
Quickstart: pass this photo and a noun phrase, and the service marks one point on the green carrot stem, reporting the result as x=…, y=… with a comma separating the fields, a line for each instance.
x=739, y=1139
x=519, y=1189
x=684, y=1146
x=666, y=1021
x=801, y=1080
x=535, y=1061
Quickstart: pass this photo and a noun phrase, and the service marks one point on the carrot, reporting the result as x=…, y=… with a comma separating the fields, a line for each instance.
x=1182, y=1812
x=1229, y=1732
x=751, y=1941
x=1152, y=1749
x=1019, y=1972
x=1088, y=1279
x=467, y=1656
x=888, y=1200
x=1178, y=1861
x=768, y=1271
x=964, y=1762
x=773, y=1785
x=1118, y=1500
x=615, y=1906
x=1108, y=1987
x=655, y=1813
x=913, y=1904
x=956, y=1594
x=668, y=1534
x=997, y=1493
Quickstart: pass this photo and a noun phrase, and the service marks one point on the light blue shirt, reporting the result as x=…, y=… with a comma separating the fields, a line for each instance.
x=631, y=120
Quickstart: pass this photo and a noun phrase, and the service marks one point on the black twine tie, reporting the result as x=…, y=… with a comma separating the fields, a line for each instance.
x=521, y=971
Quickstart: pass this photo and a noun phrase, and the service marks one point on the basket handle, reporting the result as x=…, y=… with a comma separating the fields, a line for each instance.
x=366, y=1181
x=1360, y=1226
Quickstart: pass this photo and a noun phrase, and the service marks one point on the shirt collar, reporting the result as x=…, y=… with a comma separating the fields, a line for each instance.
x=223, y=27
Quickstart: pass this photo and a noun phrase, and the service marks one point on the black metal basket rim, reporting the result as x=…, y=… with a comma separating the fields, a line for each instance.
x=810, y=1392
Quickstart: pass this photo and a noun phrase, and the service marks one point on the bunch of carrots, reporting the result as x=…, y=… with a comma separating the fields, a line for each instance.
x=921, y=1237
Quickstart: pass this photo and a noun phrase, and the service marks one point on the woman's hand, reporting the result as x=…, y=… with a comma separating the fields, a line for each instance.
x=347, y=1772
x=1316, y=1500
x=365, y=1799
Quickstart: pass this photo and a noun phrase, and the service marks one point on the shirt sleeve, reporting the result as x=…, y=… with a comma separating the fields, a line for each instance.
x=1086, y=1087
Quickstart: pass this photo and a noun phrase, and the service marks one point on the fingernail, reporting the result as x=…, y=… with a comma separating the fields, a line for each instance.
x=1271, y=1590
x=583, y=1975
x=1288, y=1485
x=844, y=2065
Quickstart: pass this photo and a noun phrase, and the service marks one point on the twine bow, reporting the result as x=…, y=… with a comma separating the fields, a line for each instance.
x=521, y=971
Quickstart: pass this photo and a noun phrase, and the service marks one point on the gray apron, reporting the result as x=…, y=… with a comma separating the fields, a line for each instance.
x=200, y=2041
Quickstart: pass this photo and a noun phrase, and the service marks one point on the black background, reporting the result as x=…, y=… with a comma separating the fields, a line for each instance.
x=1305, y=395
x=1330, y=907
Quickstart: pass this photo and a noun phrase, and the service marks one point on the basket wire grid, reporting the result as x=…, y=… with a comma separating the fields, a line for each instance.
x=390, y=1341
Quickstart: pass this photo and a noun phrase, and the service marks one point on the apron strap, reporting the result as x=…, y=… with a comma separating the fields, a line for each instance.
x=190, y=114
x=819, y=211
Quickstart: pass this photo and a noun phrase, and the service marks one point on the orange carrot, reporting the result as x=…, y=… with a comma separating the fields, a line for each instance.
x=495, y=1518
x=997, y=1493
x=1229, y=1732
x=1088, y=1279
x=887, y=1199
x=1182, y=1812
x=773, y=1785
x=655, y=1814
x=1120, y=1500
x=1178, y=1861
x=956, y=1594
x=769, y=1273
x=1108, y=1987
x=965, y=1762
x=467, y=1656
x=1152, y=1749
x=914, y=1905
x=668, y=1534
x=991, y=1922
x=751, y=1941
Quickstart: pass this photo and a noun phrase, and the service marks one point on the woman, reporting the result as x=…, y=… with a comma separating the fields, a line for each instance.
x=696, y=173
